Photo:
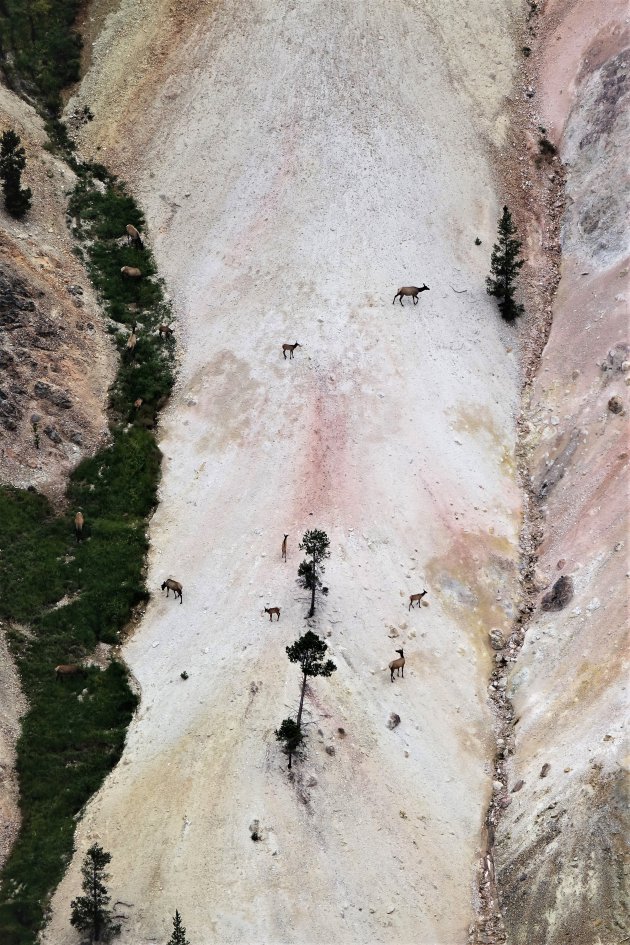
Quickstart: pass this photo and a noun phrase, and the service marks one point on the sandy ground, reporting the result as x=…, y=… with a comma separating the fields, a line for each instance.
x=297, y=163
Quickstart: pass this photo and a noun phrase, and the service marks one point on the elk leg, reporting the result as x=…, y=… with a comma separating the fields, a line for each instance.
x=401, y=305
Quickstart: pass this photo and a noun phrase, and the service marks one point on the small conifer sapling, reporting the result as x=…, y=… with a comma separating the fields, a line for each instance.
x=178, y=936
x=316, y=544
x=505, y=266
x=90, y=912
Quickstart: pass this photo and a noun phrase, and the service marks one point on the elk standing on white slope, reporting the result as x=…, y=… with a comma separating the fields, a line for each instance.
x=411, y=290
x=290, y=349
x=416, y=597
x=398, y=665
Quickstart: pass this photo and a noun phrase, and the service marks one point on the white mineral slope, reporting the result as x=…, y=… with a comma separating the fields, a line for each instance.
x=298, y=162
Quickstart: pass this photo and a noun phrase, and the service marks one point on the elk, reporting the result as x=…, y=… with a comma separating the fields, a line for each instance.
x=133, y=236
x=412, y=290
x=271, y=611
x=175, y=587
x=165, y=331
x=138, y=403
x=398, y=664
x=79, y=522
x=290, y=349
x=131, y=272
x=69, y=669
x=415, y=597
x=284, y=548
x=132, y=341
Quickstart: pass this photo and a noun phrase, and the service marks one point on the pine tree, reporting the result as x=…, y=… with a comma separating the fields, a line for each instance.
x=505, y=266
x=179, y=932
x=309, y=651
x=90, y=913
x=315, y=543
x=12, y=162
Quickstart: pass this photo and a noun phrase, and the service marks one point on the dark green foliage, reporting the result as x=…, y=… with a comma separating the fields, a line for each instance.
x=39, y=51
x=90, y=912
x=547, y=147
x=316, y=544
x=309, y=651
x=178, y=936
x=291, y=736
x=505, y=266
x=67, y=747
x=17, y=200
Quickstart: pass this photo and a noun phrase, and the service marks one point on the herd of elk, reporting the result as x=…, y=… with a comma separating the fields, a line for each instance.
x=412, y=290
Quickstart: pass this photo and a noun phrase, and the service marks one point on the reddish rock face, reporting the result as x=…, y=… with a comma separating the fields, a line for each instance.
x=566, y=834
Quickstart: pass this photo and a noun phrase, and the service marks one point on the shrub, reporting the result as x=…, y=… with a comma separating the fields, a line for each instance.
x=17, y=200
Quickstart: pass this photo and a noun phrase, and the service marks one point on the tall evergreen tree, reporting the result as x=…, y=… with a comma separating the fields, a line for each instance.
x=316, y=544
x=179, y=932
x=90, y=913
x=12, y=162
x=309, y=651
x=505, y=266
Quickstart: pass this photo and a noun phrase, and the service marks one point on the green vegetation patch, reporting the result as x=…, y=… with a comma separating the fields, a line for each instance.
x=59, y=598
x=40, y=51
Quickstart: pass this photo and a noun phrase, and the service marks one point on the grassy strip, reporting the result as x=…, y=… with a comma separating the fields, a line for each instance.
x=40, y=52
x=69, y=742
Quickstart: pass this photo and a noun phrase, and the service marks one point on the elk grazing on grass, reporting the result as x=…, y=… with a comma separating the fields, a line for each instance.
x=133, y=237
x=271, y=611
x=175, y=587
x=165, y=331
x=290, y=349
x=79, y=522
x=412, y=290
x=69, y=669
x=415, y=597
x=398, y=665
x=284, y=548
x=131, y=272
x=132, y=341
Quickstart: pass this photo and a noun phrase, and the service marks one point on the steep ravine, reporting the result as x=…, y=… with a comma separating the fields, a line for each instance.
x=561, y=839
x=297, y=162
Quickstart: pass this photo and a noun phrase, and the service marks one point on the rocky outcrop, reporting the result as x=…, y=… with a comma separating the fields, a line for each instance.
x=56, y=361
x=560, y=843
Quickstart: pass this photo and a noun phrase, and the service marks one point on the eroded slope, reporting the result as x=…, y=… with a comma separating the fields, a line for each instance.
x=296, y=163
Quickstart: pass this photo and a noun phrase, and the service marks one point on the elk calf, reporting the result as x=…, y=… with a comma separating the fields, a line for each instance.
x=290, y=349
x=271, y=611
x=415, y=597
x=131, y=272
x=411, y=290
x=398, y=664
x=165, y=331
x=175, y=587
